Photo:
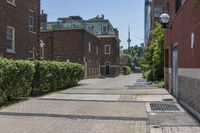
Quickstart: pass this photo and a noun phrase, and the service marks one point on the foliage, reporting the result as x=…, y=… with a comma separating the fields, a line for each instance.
x=23, y=78
x=154, y=56
x=126, y=70
x=15, y=79
x=52, y=75
x=134, y=52
x=160, y=84
x=149, y=75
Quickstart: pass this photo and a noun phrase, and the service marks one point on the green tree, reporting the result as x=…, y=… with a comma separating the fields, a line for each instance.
x=134, y=52
x=158, y=52
x=153, y=59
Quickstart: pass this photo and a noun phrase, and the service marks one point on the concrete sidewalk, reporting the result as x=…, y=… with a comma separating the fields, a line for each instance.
x=113, y=105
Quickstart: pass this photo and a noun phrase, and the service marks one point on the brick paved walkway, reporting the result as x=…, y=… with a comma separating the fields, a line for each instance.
x=98, y=106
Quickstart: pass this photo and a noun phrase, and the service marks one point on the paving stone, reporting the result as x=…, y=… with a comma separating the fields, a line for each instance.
x=172, y=119
x=186, y=129
x=127, y=98
x=71, y=108
x=97, y=106
x=82, y=97
x=117, y=92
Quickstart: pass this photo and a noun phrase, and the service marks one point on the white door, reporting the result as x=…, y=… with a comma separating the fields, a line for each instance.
x=175, y=72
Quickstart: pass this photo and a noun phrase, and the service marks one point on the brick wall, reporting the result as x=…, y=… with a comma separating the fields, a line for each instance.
x=64, y=45
x=113, y=57
x=184, y=22
x=72, y=45
x=18, y=17
x=92, y=58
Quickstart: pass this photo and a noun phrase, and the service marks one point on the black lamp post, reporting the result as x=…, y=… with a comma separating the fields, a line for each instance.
x=164, y=20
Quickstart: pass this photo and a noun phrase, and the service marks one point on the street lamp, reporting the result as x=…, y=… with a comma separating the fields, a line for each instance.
x=164, y=20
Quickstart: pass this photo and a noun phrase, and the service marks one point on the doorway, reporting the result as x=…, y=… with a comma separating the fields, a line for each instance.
x=107, y=64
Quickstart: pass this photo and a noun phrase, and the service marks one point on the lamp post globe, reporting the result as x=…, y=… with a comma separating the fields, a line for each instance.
x=164, y=19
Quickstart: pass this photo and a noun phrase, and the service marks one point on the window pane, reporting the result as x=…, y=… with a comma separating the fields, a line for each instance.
x=10, y=38
x=31, y=23
x=107, y=49
x=9, y=33
x=9, y=44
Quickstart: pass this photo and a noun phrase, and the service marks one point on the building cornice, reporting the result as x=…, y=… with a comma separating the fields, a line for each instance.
x=109, y=36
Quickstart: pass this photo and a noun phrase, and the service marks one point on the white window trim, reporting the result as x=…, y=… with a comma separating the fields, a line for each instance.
x=103, y=28
x=42, y=44
x=13, y=42
x=105, y=49
x=31, y=16
x=89, y=47
x=192, y=40
x=12, y=3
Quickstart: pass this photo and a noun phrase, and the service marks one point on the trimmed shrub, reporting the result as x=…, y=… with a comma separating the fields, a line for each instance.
x=149, y=75
x=53, y=75
x=159, y=84
x=126, y=70
x=24, y=78
x=15, y=79
x=145, y=67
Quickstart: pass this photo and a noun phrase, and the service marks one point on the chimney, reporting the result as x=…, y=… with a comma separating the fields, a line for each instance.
x=102, y=16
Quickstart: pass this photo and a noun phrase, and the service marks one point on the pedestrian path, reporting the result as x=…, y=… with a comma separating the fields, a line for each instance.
x=98, y=106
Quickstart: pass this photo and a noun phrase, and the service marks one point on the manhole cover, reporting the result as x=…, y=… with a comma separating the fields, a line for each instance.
x=164, y=107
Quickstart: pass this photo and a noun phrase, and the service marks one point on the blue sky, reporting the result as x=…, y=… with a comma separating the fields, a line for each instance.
x=121, y=14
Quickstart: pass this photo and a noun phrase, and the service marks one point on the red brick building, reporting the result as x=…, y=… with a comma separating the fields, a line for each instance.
x=103, y=29
x=74, y=45
x=182, y=52
x=93, y=43
x=19, y=26
x=110, y=55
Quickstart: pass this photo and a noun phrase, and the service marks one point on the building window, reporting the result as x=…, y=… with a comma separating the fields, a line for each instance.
x=192, y=40
x=10, y=39
x=42, y=44
x=31, y=23
x=107, y=49
x=89, y=47
x=179, y=4
x=12, y=2
x=158, y=11
x=105, y=29
x=97, y=50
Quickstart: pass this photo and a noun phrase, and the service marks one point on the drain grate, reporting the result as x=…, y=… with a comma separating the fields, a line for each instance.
x=165, y=107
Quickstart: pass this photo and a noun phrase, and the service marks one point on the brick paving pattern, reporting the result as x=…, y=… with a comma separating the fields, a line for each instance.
x=98, y=106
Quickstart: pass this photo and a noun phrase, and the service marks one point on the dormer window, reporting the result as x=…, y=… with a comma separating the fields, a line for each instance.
x=105, y=29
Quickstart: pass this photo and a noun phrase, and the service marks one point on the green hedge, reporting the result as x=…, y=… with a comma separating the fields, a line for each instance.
x=52, y=75
x=148, y=75
x=126, y=70
x=25, y=78
x=15, y=79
